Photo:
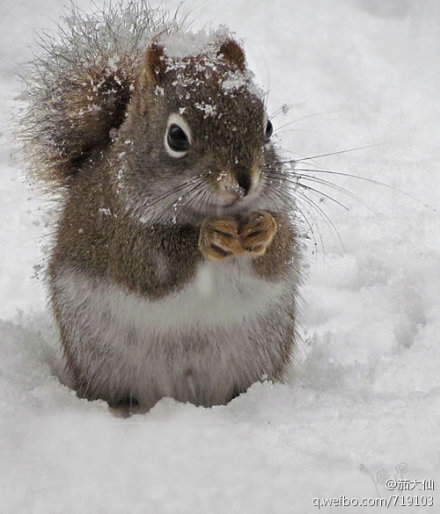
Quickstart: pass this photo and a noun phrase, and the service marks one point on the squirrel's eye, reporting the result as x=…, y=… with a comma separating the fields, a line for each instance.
x=269, y=131
x=177, y=140
x=177, y=137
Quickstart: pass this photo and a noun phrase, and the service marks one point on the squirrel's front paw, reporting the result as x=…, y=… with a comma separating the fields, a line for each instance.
x=257, y=232
x=219, y=238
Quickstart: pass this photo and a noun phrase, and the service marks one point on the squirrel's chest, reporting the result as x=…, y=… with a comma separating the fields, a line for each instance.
x=220, y=295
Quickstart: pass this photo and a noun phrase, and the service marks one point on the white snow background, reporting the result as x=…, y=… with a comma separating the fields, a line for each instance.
x=364, y=400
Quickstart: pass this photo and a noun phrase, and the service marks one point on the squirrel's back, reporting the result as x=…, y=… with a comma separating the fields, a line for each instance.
x=79, y=87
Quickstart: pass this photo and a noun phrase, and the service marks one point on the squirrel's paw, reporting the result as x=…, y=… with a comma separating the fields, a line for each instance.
x=257, y=232
x=219, y=238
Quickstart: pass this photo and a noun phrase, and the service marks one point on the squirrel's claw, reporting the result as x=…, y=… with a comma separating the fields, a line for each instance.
x=257, y=232
x=219, y=238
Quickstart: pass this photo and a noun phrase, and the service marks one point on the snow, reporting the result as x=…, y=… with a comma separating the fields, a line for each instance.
x=180, y=44
x=363, y=400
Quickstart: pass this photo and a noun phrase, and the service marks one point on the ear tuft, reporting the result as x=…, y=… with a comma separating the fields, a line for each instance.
x=232, y=52
x=154, y=65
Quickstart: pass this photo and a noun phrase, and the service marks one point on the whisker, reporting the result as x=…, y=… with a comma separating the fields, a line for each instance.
x=198, y=197
x=295, y=182
x=324, y=215
x=196, y=183
x=314, y=115
x=193, y=195
x=167, y=194
x=366, y=179
x=292, y=180
x=321, y=240
x=354, y=149
x=278, y=195
x=327, y=183
x=337, y=187
x=309, y=225
x=284, y=196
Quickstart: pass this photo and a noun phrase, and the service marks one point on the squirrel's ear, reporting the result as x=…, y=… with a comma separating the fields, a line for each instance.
x=232, y=52
x=154, y=65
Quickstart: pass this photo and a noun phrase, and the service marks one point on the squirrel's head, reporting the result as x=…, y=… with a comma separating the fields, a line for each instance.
x=197, y=137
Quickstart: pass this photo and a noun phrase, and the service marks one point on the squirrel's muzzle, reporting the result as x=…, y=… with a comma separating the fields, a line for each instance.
x=233, y=185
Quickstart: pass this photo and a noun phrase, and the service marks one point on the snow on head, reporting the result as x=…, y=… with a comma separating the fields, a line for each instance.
x=203, y=52
x=180, y=44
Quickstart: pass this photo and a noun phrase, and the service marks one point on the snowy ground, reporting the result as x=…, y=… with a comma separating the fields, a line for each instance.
x=364, y=401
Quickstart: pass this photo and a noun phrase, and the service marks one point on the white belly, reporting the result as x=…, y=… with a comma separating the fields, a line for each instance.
x=193, y=345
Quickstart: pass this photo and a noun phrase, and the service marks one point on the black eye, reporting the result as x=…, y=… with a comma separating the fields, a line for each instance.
x=269, y=130
x=177, y=139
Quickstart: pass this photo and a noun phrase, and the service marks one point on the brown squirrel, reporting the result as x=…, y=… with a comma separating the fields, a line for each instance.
x=175, y=266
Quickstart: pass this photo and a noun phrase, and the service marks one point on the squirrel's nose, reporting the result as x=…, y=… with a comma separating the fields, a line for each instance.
x=244, y=182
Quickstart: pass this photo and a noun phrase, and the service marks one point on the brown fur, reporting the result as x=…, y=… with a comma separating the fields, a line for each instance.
x=233, y=52
x=275, y=262
x=115, y=246
x=117, y=221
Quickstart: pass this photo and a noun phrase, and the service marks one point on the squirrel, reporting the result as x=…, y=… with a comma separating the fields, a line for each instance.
x=175, y=266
